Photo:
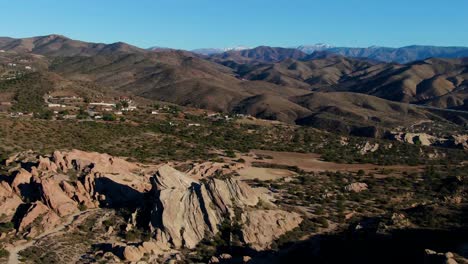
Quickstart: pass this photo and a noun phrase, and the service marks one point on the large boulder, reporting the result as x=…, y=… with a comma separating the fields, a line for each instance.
x=356, y=187
x=132, y=253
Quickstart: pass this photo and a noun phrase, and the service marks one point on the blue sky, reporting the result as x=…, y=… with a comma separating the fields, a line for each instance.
x=189, y=24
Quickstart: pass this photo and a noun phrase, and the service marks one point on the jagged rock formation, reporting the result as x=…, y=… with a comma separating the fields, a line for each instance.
x=41, y=191
x=453, y=141
x=185, y=210
x=9, y=201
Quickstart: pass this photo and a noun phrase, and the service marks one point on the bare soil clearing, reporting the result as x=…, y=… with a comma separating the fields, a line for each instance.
x=312, y=162
x=251, y=173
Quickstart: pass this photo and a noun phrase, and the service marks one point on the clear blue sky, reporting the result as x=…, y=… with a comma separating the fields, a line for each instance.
x=189, y=24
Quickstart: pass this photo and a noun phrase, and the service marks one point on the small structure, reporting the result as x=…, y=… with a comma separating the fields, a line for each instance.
x=154, y=112
x=50, y=105
x=129, y=108
x=102, y=104
x=69, y=117
x=194, y=124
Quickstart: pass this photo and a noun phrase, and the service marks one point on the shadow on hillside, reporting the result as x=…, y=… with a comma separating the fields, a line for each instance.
x=117, y=195
x=402, y=246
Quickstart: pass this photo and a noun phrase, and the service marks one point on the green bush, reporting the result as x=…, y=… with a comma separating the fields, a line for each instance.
x=4, y=253
x=109, y=117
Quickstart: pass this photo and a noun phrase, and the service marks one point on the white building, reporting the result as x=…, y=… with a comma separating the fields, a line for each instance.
x=102, y=104
x=56, y=105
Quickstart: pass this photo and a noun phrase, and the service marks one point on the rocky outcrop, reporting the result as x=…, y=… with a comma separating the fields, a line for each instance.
x=182, y=208
x=132, y=253
x=37, y=219
x=423, y=139
x=356, y=187
x=55, y=198
x=210, y=169
x=261, y=227
x=22, y=177
x=186, y=210
x=415, y=138
x=9, y=201
x=368, y=147
x=460, y=141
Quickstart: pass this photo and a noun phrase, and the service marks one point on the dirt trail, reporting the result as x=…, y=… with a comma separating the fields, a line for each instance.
x=15, y=249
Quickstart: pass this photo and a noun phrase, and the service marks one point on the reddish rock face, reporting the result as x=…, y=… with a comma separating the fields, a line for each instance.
x=9, y=201
x=56, y=199
x=38, y=218
x=184, y=209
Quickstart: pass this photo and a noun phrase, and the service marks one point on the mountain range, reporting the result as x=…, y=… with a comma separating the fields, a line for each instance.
x=321, y=89
x=383, y=54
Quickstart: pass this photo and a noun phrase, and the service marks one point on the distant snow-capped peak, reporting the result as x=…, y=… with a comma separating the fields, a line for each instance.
x=211, y=51
x=312, y=48
x=236, y=48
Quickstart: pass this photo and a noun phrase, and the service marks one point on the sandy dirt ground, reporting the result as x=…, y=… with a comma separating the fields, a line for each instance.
x=305, y=161
x=250, y=173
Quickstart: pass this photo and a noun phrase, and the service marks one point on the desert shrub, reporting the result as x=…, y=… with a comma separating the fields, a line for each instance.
x=4, y=253
x=6, y=227
x=109, y=117
x=44, y=114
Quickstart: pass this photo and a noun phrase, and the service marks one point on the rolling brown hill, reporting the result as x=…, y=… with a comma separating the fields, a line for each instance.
x=173, y=76
x=57, y=45
x=311, y=74
x=414, y=82
x=345, y=112
x=438, y=82
x=331, y=92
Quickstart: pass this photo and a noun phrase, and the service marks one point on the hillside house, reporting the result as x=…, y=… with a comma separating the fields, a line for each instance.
x=129, y=108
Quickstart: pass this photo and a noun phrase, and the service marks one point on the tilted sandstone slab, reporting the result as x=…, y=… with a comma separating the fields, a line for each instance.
x=186, y=211
x=38, y=218
x=210, y=169
x=55, y=198
x=9, y=201
x=183, y=210
x=22, y=177
x=261, y=227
